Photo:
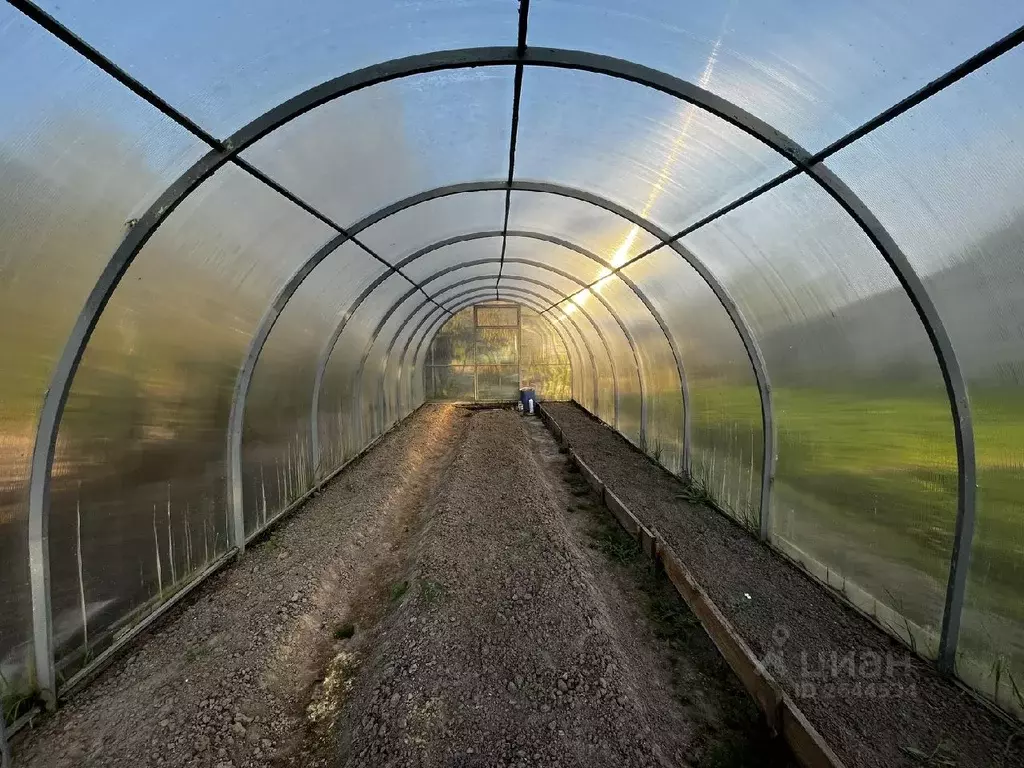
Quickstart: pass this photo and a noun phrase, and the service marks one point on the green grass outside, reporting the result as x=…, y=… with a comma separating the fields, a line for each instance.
x=888, y=461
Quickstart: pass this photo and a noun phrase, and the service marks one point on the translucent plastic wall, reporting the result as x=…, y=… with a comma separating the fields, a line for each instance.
x=488, y=351
x=777, y=246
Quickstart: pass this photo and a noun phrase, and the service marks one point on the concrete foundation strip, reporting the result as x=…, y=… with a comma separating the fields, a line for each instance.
x=781, y=711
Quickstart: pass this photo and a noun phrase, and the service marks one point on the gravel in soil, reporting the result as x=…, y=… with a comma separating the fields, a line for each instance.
x=524, y=633
x=226, y=680
x=889, y=709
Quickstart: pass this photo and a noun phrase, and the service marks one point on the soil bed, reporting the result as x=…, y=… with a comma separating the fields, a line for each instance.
x=226, y=678
x=892, y=709
x=527, y=631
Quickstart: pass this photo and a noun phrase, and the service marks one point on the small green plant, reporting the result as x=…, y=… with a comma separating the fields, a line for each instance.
x=697, y=491
x=616, y=544
x=398, y=590
x=658, y=451
x=344, y=631
x=1000, y=668
x=749, y=518
x=431, y=591
x=195, y=652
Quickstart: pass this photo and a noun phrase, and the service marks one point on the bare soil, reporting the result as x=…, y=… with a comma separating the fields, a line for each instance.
x=457, y=598
x=889, y=708
x=513, y=640
x=227, y=678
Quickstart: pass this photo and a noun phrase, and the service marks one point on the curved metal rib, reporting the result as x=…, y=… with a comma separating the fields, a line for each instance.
x=554, y=327
x=487, y=186
x=67, y=365
x=481, y=294
x=435, y=316
x=622, y=327
x=597, y=329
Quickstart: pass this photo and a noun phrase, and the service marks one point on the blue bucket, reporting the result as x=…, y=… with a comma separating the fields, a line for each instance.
x=527, y=399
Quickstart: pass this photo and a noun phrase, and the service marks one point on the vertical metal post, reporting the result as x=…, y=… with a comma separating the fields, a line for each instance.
x=519, y=348
x=476, y=357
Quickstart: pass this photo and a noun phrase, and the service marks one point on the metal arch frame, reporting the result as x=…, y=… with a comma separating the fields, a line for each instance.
x=622, y=326
x=747, y=338
x=478, y=262
x=529, y=299
x=673, y=347
x=554, y=327
x=436, y=316
x=597, y=329
x=491, y=186
x=64, y=371
x=604, y=341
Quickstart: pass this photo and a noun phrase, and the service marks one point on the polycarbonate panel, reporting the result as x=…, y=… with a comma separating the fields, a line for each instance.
x=367, y=150
x=402, y=356
x=419, y=349
x=624, y=389
x=726, y=438
x=662, y=390
x=483, y=354
x=582, y=370
x=497, y=316
x=451, y=359
x=141, y=452
x=80, y=158
x=563, y=285
x=609, y=236
x=377, y=381
x=276, y=451
x=539, y=293
x=346, y=421
x=866, y=477
x=448, y=285
x=601, y=381
x=950, y=195
x=497, y=346
x=812, y=70
x=544, y=362
x=453, y=383
x=224, y=66
x=553, y=255
x=405, y=232
x=667, y=160
x=497, y=382
x=453, y=255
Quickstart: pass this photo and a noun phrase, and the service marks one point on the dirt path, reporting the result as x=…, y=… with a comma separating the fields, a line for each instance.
x=526, y=633
x=458, y=598
x=226, y=680
x=889, y=709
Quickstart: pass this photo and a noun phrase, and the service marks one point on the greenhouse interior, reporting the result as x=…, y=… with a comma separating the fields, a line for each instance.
x=512, y=383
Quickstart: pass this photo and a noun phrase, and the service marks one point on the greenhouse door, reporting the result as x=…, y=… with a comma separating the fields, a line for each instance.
x=497, y=353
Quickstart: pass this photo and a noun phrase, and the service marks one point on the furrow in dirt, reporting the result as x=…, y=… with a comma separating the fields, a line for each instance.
x=226, y=680
x=892, y=710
